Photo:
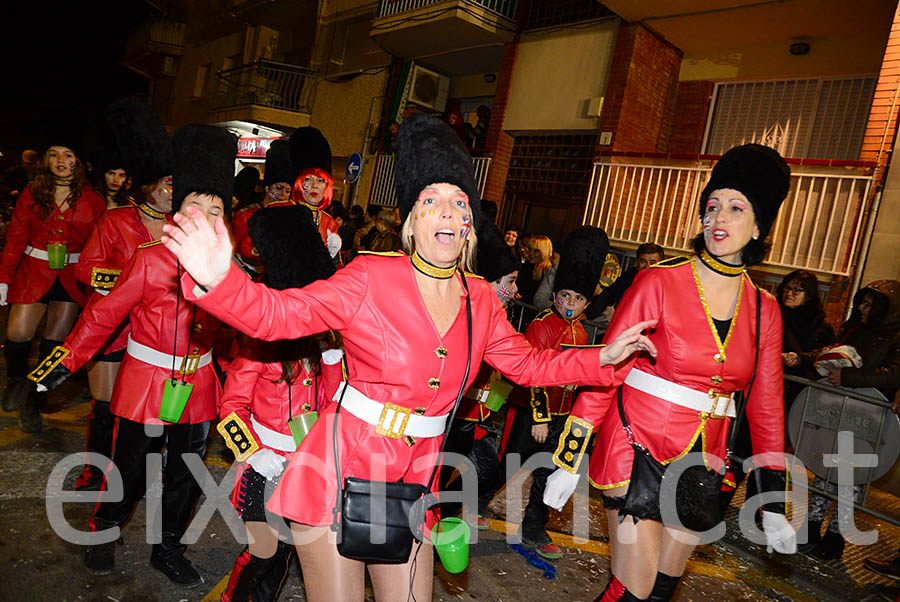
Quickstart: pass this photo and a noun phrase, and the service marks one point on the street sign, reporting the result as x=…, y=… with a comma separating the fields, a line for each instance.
x=354, y=167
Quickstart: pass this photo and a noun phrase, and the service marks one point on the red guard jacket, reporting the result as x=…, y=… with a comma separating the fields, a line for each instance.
x=147, y=294
x=690, y=354
x=29, y=278
x=240, y=229
x=395, y=355
x=109, y=247
x=324, y=222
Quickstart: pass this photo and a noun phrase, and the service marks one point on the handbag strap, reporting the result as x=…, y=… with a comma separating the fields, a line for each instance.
x=744, y=397
x=462, y=389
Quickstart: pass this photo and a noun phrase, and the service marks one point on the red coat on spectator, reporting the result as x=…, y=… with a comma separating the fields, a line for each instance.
x=394, y=355
x=30, y=278
x=147, y=293
x=106, y=253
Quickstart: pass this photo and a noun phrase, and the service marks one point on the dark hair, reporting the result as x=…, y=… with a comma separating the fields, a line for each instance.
x=650, y=248
x=810, y=285
x=293, y=352
x=373, y=210
x=753, y=252
x=515, y=229
x=881, y=306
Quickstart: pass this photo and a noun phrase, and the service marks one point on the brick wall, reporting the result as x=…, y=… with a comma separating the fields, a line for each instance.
x=882, y=125
x=689, y=117
x=640, y=93
x=499, y=144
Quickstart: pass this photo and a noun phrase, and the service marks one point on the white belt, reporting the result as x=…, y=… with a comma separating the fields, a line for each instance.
x=479, y=395
x=271, y=438
x=683, y=396
x=42, y=254
x=148, y=355
x=390, y=419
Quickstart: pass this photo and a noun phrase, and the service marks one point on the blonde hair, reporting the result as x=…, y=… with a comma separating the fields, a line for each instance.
x=542, y=245
x=469, y=253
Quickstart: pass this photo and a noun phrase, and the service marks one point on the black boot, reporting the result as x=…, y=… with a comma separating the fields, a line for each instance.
x=663, y=587
x=831, y=547
x=30, y=416
x=168, y=558
x=268, y=588
x=814, y=535
x=100, y=427
x=251, y=577
x=616, y=592
x=17, y=385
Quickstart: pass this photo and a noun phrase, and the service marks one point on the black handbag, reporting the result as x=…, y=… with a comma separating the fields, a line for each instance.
x=698, y=491
x=378, y=520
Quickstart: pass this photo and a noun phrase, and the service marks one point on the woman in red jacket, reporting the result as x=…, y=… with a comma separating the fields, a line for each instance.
x=269, y=385
x=146, y=148
x=170, y=340
x=54, y=215
x=405, y=328
x=682, y=401
x=314, y=186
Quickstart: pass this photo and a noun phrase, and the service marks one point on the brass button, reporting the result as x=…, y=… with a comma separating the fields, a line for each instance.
x=573, y=444
x=61, y=216
x=198, y=327
x=569, y=456
x=577, y=432
x=307, y=382
x=713, y=394
x=719, y=358
x=441, y=352
x=434, y=383
x=716, y=380
x=419, y=411
x=59, y=230
x=195, y=351
x=306, y=407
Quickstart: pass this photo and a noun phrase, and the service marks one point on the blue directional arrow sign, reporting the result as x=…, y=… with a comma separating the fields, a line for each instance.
x=354, y=167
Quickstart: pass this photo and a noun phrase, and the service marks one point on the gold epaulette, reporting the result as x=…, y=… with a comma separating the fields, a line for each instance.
x=248, y=207
x=572, y=443
x=571, y=346
x=543, y=314
x=238, y=437
x=149, y=244
x=50, y=362
x=104, y=278
x=472, y=275
x=384, y=253
x=540, y=405
x=673, y=262
x=131, y=205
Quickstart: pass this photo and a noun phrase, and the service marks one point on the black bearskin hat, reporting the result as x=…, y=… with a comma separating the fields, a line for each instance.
x=279, y=167
x=105, y=155
x=581, y=261
x=204, y=163
x=245, y=184
x=495, y=257
x=757, y=171
x=63, y=128
x=309, y=150
x=430, y=152
x=290, y=246
x=142, y=139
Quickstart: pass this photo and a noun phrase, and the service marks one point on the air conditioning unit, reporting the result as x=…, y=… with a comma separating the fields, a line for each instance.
x=429, y=89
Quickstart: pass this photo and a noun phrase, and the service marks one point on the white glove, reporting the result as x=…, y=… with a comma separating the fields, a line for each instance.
x=780, y=535
x=267, y=463
x=4, y=290
x=332, y=356
x=560, y=487
x=333, y=243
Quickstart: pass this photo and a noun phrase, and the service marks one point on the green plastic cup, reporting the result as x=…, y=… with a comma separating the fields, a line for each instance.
x=500, y=390
x=56, y=255
x=451, y=540
x=301, y=424
x=175, y=397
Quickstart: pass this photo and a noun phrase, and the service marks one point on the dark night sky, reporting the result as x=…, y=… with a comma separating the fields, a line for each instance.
x=62, y=57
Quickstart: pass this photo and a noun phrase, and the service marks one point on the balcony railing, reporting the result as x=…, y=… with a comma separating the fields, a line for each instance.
x=158, y=34
x=265, y=83
x=818, y=228
x=389, y=8
x=383, y=192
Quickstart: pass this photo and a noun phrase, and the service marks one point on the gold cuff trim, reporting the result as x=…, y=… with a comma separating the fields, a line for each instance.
x=104, y=278
x=540, y=405
x=238, y=437
x=572, y=443
x=48, y=364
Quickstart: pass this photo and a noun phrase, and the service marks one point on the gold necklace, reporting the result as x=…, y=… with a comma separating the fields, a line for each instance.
x=720, y=267
x=431, y=270
x=150, y=212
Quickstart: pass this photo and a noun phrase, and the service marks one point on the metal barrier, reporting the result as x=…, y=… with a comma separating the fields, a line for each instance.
x=265, y=83
x=520, y=315
x=384, y=194
x=388, y=8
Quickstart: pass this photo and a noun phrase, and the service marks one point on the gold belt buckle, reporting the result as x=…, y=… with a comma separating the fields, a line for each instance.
x=482, y=395
x=388, y=425
x=189, y=364
x=712, y=413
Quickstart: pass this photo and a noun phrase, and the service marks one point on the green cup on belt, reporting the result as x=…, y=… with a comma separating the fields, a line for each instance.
x=497, y=394
x=56, y=255
x=175, y=396
x=451, y=540
x=301, y=424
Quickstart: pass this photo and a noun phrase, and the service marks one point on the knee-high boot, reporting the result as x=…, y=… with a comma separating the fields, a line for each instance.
x=664, y=587
x=269, y=586
x=17, y=385
x=616, y=592
x=253, y=573
x=100, y=427
x=30, y=414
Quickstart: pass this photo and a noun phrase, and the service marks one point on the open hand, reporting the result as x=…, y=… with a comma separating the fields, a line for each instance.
x=204, y=251
x=628, y=342
x=834, y=376
x=539, y=432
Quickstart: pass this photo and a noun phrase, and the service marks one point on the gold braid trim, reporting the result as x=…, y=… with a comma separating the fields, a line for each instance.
x=104, y=278
x=572, y=443
x=540, y=405
x=238, y=437
x=50, y=362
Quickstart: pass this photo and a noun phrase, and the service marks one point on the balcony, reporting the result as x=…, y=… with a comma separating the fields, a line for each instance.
x=265, y=92
x=384, y=194
x=151, y=48
x=642, y=198
x=428, y=28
